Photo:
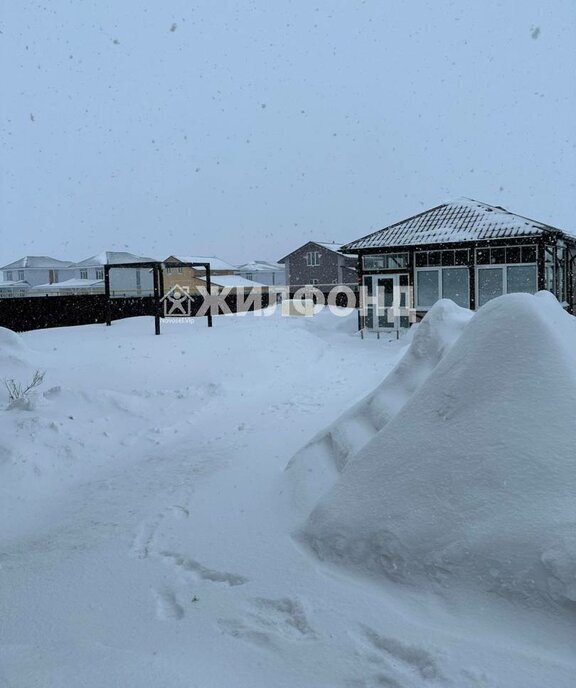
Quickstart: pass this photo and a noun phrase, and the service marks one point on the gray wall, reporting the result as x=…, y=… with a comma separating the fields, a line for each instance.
x=334, y=268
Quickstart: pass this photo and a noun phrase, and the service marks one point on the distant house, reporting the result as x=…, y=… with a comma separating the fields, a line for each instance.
x=263, y=271
x=184, y=276
x=234, y=283
x=68, y=287
x=466, y=251
x=123, y=281
x=11, y=289
x=319, y=264
x=37, y=270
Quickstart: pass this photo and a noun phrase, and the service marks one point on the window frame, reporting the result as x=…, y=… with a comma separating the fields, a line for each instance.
x=440, y=254
x=440, y=281
x=313, y=259
x=386, y=258
x=488, y=250
x=504, y=268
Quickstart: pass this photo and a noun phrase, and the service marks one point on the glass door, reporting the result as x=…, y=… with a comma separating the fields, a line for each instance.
x=386, y=301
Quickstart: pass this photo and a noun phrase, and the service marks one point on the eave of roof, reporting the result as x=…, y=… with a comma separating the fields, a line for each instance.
x=36, y=263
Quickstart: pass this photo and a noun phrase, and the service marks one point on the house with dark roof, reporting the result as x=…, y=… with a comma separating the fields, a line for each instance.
x=319, y=264
x=464, y=250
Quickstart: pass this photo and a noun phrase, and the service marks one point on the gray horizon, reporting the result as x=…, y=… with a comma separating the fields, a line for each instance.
x=244, y=129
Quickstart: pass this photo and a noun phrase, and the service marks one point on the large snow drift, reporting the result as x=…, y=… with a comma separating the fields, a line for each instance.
x=317, y=466
x=472, y=483
x=13, y=353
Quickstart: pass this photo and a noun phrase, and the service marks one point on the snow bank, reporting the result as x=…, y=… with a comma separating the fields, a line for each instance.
x=316, y=467
x=13, y=358
x=10, y=342
x=472, y=483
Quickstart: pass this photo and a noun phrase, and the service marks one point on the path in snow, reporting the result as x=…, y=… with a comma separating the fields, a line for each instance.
x=147, y=541
x=171, y=437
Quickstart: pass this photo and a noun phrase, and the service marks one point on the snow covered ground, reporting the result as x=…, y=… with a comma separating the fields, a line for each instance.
x=152, y=534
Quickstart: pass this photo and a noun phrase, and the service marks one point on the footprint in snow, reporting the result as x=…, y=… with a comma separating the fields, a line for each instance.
x=146, y=533
x=399, y=664
x=167, y=607
x=201, y=572
x=270, y=620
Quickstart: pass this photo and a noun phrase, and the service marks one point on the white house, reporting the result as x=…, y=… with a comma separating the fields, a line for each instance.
x=69, y=287
x=263, y=271
x=123, y=281
x=37, y=270
x=10, y=288
x=233, y=282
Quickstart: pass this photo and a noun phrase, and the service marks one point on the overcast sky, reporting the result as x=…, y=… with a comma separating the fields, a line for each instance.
x=242, y=129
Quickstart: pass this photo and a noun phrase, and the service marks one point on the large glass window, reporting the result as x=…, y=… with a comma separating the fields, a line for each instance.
x=428, y=288
x=505, y=279
x=521, y=278
x=455, y=286
x=490, y=284
x=445, y=283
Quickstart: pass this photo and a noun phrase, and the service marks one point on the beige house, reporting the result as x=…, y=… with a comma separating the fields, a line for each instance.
x=191, y=278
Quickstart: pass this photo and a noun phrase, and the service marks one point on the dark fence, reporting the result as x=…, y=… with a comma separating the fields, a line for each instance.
x=39, y=312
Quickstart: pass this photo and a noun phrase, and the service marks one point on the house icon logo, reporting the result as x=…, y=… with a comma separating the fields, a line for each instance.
x=177, y=302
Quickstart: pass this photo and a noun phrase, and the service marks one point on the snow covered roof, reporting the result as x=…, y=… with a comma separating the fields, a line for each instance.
x=215, y=263
x=69, y=284
x=233, y=281
x=461, y=220
x=330, y=245
x=36, y=262
x=14, y=283
x=260, y=266
x=112, y=258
